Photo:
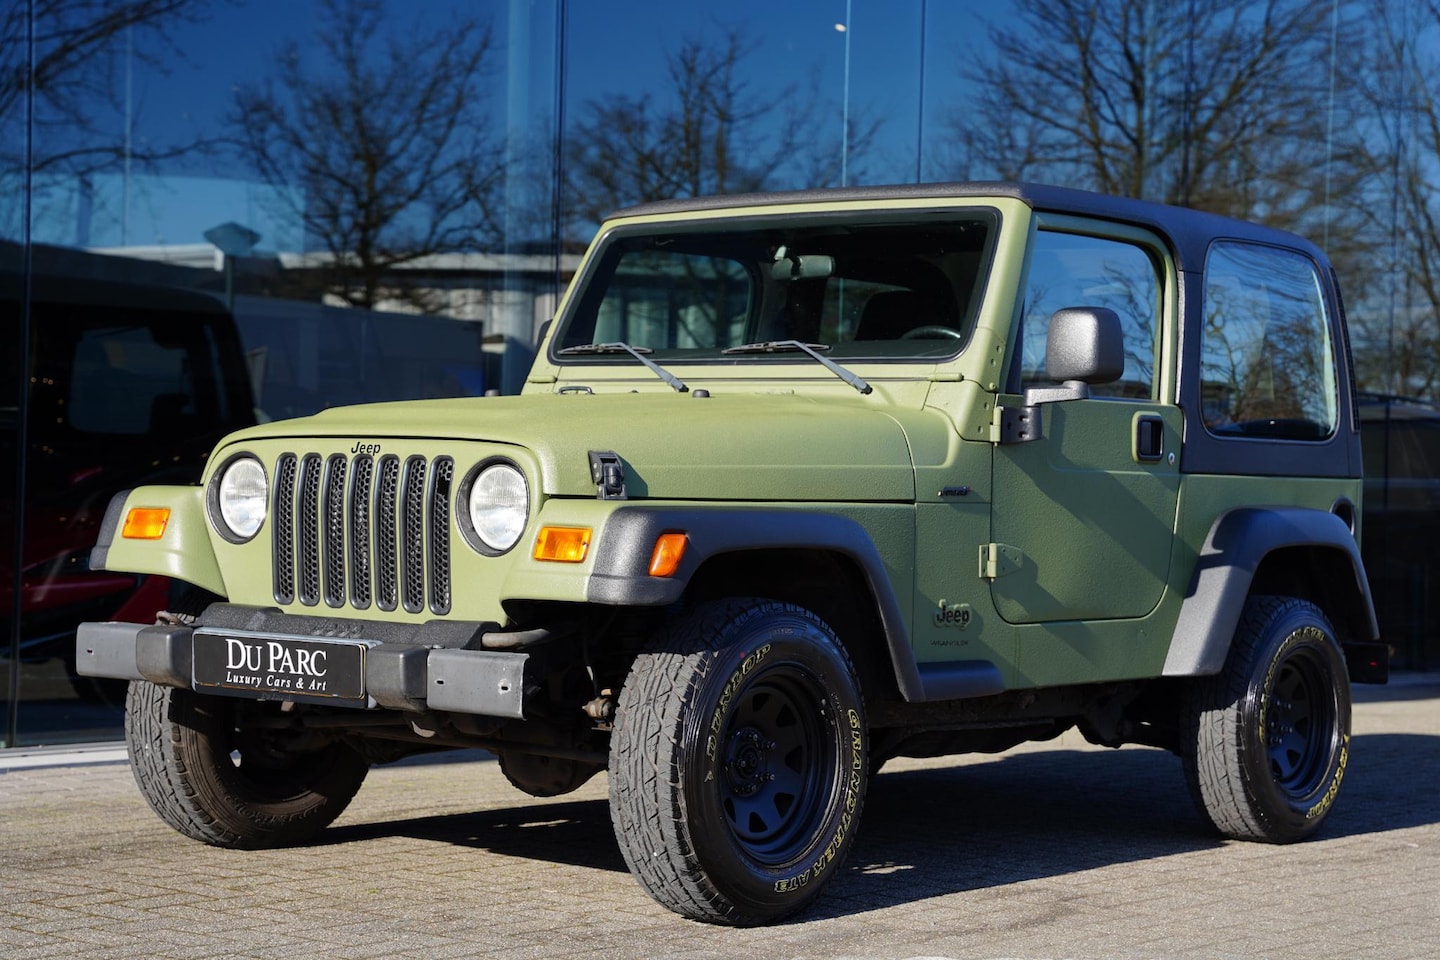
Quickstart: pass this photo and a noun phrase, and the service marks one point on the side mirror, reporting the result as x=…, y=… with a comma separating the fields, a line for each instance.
x=1085, y=346
x=544, y=329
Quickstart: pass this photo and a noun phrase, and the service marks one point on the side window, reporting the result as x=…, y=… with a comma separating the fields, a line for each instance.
x=1071, y=270
x=127, y=382
x=1267, y=359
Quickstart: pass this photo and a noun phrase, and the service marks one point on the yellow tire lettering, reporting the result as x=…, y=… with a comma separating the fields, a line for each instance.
x=732, y=686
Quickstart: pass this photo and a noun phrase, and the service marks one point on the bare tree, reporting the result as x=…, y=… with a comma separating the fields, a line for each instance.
x=383, y=153
x=1209, y=103
x=80, y=53
x=1397, y=300
x=709, y=133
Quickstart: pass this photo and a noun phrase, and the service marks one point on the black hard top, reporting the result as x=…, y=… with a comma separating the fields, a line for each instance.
x=1189, y=231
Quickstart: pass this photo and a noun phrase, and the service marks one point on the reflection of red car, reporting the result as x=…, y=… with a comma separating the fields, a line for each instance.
x=128, y=385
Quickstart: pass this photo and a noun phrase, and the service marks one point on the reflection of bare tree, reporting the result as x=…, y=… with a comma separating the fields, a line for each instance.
x=1393, y=311
x=713, y=134
x=383, y=154
x=1098, y=273
x=1266, y=355
x=677, y=298
x=81, y=48
x=1210, y=103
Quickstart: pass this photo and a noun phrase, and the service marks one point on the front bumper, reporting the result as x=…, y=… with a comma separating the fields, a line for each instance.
x=441, y=665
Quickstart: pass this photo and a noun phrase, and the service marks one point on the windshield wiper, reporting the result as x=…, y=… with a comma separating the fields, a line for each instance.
x=813, y=349
x=637, y=352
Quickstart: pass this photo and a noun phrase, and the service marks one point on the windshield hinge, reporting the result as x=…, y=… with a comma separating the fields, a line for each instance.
x=608, y=472
x=1016, y=425
x=998, y=559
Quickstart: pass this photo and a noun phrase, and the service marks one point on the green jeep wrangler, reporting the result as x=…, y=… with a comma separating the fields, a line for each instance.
x=800, y=482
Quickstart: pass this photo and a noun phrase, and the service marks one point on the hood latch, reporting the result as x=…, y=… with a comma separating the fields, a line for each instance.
x=607, y=470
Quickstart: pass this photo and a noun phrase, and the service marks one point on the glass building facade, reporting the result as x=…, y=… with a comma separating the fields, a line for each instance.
x=217, y=212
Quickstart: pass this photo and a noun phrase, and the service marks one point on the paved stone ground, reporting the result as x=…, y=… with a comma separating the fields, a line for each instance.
x=1049, y=851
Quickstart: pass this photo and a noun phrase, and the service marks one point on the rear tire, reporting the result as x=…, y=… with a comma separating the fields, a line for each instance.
x=1265, y=743
x=738, y=762
x=229, y=785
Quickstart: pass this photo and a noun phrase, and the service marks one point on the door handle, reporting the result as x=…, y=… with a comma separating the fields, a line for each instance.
x=1149, y=438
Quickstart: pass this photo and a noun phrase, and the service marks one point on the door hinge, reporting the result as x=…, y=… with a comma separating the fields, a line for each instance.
x=1016, y=424
x=998, y=559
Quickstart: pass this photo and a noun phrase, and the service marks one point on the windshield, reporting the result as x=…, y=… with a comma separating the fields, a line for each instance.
x=856, y=289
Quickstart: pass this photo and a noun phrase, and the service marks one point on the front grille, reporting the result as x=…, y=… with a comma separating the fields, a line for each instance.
x=361, y=531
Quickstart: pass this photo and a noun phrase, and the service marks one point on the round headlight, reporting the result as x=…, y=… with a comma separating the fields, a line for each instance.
x=241, y=497
x=499, y=506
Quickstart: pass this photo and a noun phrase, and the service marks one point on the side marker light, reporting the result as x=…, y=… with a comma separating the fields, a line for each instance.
x=669, y=551
x=145, y=523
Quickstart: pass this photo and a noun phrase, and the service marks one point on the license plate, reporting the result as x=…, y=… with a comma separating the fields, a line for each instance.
x=279, y=668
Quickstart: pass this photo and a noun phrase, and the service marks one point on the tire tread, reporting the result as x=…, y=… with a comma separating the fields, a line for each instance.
x=1213, y=728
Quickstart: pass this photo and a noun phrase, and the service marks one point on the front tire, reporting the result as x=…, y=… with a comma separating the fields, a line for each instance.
x=1267, y=740
x=738, y=762
x=230, y=784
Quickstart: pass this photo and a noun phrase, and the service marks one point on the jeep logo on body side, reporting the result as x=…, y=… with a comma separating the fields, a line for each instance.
x=952, y=615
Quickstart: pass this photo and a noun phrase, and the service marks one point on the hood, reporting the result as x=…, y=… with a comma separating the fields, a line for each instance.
x=780, y=447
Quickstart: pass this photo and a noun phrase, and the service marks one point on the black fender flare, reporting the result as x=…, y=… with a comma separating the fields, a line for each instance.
x=620, y=575
x=1238, y=541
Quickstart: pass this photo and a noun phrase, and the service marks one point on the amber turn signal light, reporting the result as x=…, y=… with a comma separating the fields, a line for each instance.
x=669, y=551
x=145, y=523
x=562, y=544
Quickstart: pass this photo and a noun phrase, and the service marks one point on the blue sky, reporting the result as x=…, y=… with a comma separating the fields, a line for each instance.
x=613, y=47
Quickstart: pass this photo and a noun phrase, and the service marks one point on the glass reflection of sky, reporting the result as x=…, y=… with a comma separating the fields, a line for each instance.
x=613, y=48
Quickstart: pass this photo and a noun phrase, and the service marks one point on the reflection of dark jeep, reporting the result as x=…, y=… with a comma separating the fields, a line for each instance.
x=129, y=384
x=798, y=483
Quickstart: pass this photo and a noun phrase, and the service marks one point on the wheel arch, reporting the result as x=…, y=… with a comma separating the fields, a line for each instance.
x=183, y=550
x=823, y=562
x=1288, y=551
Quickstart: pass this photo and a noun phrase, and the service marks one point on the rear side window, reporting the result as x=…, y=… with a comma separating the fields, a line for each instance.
x=1267, y=360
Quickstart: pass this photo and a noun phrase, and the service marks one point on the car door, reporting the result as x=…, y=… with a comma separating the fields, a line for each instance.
x=1084, y=516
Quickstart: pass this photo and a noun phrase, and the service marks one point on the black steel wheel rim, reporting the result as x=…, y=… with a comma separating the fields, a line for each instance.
x=778, y=765
x=1300, y=724
x=263, y=760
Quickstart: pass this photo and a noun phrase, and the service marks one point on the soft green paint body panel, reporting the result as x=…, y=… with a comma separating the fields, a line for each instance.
x=946, y=579
x=1087, y=652
x=1205, y=497
x=1094, y=525
x=736, y=446
x=184, y=551
x=482, y=584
